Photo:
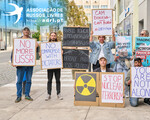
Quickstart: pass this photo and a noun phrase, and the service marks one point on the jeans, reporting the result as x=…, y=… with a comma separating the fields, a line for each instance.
x=20, y=75
x=133, y=101
x=125, y=71
x=50, y=77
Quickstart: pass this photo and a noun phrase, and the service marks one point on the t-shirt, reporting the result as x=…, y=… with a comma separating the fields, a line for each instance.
x=101, y=52
x=103, y=70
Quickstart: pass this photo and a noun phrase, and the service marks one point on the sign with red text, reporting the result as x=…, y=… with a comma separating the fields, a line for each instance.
x=51, y=55
x=24, y=52
x=140, y=82
x=112, y=88
x=102, y=21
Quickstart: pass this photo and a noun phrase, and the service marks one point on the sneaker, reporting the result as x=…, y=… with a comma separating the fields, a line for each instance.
x=28, y=98
x=48, y=97
x=18, y=99
x=59, y=97
x=147, y=101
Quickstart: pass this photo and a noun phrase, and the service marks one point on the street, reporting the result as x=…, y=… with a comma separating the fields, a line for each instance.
x=7, y=72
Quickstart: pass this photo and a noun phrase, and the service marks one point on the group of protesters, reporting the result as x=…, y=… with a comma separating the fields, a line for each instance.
x=101, y=58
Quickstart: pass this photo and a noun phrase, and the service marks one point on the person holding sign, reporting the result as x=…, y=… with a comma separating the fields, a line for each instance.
x=103, y=64
x=99, y=49
x=137, y=63
x=50, y=72
x=20, y=73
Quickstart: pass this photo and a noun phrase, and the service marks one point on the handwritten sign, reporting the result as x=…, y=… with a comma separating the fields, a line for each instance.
x=124, y=46
x=140, y=82
x=24, y=51
x=51, y=55
x=112, y=89
x=76, y=36
x=102, y=22
x=142, y=45
x=75, y=59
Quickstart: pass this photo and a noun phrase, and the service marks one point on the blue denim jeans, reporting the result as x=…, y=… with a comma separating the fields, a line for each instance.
x=20, y=75
x=133, y=101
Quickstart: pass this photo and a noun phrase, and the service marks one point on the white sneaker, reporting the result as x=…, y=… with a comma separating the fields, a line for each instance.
x=48, y=97
x=59, y=97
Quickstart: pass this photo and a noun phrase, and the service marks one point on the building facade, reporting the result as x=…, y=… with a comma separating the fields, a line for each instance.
x=88, y=5
x=9, y=30
x=131, y=16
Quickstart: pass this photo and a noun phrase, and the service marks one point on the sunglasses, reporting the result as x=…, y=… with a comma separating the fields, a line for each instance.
x=142, y=34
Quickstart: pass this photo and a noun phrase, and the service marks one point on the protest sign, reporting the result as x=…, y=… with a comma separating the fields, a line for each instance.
x=51, y=55
x=124, y=46
x=140, y=82
x=112, y=89
x=86, y=88
x=102, y=21
x=24, y=52
x=76, y=36
x=75, y=59
x=142, y=45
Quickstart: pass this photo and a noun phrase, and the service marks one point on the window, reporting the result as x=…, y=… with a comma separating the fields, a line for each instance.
x=95, y=6
x=104, y=6
x=0, y=14
x=87, y=6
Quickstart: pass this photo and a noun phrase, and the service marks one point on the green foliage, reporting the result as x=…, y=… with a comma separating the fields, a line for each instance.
x=36, y=35
x=76, y=16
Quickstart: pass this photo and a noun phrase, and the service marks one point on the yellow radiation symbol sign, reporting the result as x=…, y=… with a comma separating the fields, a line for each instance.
x=85, y=88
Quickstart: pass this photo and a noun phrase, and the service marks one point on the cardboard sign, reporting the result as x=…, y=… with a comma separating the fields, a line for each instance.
x=76, y=36
x=142, y=45
x=24, y=52
x=86, y=88
x=124, y=46
x=75, y=59
x=112, y=89
x=102, y=21
x=140, y=82
x=51, y=55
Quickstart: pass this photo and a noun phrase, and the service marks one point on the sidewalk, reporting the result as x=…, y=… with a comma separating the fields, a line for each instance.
x=54, y=109
x=8, y=50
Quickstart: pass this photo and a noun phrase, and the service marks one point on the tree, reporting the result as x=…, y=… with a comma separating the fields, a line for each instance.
x=76, y=16
x=36, y=35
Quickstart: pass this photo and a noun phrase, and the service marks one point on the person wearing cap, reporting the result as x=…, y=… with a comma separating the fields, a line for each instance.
x=101, y=48
x=103, y=64
x=20, y=71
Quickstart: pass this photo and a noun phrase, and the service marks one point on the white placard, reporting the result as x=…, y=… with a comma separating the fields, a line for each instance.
x=102, y=22
x=140, y=82
x=51, y=56
x=24, y=52
x=112, y=88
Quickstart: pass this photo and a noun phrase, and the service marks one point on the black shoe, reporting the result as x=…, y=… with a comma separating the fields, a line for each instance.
x=147, y=101
x=18, y=99
x=28, y=98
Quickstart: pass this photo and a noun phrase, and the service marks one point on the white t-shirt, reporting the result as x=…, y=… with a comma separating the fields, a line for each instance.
x=103, y=70
x=101, y=52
